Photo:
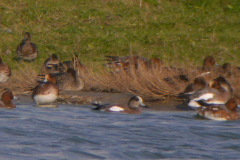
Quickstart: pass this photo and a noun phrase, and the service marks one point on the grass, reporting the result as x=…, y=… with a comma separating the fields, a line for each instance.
x=181, y=33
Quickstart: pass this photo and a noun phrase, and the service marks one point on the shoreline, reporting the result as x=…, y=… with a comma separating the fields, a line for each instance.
x=87, y=97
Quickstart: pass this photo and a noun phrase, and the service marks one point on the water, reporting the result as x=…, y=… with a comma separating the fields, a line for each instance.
x=76, y=132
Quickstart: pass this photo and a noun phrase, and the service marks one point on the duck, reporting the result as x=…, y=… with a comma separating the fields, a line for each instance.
x=6, y=99
x=131, y=108
x=223, y=112
x=70, y=81
x=26, y=50
x=80, y=68
x=213, y=94
x=5, y=72
x=225, y=84
x=155, y=63
x=199, y=83
x=52, y=65
x=47, y=91
x=127, y=62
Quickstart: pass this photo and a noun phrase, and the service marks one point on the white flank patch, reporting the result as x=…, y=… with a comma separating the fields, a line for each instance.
x=215, y=102
x=194, y=104
x=116, y=109
x=204, y=97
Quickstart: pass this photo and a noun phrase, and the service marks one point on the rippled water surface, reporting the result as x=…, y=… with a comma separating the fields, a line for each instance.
x=76, y=132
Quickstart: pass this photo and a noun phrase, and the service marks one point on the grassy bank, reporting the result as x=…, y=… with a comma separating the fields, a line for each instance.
x=181, y=33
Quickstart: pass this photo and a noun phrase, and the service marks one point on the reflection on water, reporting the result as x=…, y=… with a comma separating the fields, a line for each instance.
x=76, y=132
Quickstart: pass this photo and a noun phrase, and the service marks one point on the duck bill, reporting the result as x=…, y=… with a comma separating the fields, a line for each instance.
x=143, y=105
x=15, y=97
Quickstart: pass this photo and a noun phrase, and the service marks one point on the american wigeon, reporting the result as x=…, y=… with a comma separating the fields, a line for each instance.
x=27, y=50
x=220, y=112
x=5, y=101
x=215, y=94
x=5, y=72
x=52, y=65
x=46, y=91
x=131, y=108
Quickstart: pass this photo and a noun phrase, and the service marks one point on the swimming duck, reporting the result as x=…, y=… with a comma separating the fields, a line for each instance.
x=5, y=72
x=131, y=108
x=47, y=91
x=215, y=94
x=52, y=65
x=221, y=111
x=27, y=50
x=5, y=101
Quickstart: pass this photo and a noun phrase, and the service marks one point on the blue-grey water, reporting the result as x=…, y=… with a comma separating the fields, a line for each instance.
x=76, y=132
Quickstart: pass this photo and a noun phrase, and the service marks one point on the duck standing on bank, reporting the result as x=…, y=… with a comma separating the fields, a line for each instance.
x=70, y=81
x=27, y=50
x=47, y=91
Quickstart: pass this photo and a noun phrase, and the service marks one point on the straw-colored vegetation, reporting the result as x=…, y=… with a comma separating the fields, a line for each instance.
x=181, y=33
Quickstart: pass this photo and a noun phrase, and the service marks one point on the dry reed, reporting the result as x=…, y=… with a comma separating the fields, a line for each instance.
x=161, y=83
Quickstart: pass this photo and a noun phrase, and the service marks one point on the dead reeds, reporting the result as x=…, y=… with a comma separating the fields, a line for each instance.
x=150, y=82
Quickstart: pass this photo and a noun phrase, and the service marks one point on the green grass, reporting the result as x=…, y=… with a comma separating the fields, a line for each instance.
x=179, y=32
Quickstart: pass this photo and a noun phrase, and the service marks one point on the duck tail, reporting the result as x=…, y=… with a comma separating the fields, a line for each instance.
x=98, y=106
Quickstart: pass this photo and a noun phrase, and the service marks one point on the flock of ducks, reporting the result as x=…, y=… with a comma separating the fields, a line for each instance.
x=212, y=100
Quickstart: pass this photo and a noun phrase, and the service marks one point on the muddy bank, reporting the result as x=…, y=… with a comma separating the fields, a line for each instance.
x=85, y=98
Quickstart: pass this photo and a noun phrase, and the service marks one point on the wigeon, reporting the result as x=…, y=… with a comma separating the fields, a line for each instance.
x=131, y=108
x=70, y=81
x=5, y=72
x=5, y=101
x=47, y=91
x=27, y=50
x=127, y=62
x=52, y=65
x=225, y=84
x=199, y=83
x=75, y=64
x=220, y=112
x=209, y=61
x=155, y=63
x=215, y=94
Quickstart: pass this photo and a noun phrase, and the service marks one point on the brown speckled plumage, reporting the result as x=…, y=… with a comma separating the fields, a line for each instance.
x=27, y=50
